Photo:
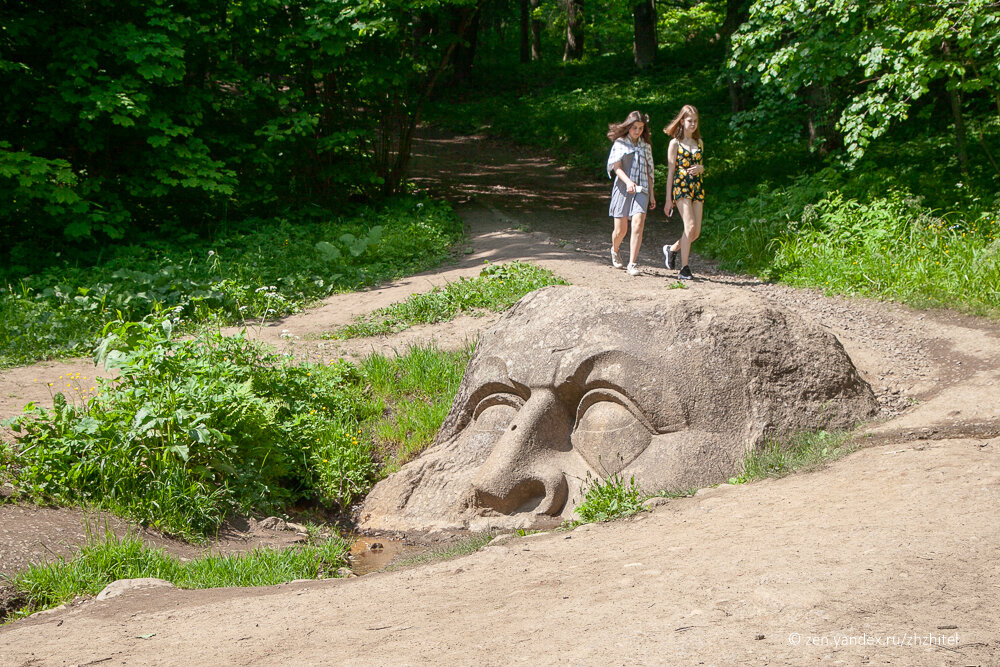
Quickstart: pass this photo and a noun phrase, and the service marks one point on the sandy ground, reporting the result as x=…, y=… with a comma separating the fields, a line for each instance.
x=888, y=556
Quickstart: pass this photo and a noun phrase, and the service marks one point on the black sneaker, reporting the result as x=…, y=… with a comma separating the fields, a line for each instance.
x=669, y=257
x=685, y=273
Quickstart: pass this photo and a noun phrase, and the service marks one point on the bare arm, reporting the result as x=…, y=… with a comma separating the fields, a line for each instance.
x=668, y=205
x=629, y=185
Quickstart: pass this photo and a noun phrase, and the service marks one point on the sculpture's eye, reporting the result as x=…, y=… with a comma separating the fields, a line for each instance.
x=492, y=416
x=610, y=431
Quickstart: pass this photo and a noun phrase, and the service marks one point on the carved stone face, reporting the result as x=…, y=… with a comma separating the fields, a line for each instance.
x=574, y=385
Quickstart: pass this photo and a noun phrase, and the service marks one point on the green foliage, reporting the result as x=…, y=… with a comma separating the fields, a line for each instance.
x=132, y=114
x=101, y=562
x=779, y=458
x=865, y=66
x=420, y=386
x=497, y=288
x=254, y=273
x=609, y=499
x=193, y=429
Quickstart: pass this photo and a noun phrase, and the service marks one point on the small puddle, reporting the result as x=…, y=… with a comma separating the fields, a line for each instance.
x=371, y=554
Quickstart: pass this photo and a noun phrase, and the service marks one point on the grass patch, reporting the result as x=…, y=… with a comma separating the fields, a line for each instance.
x=194, y=429
x=460, y=547
x=498, y=287
x=800, y=452
x=100, y=562
x=415, y=391
x=260, y=270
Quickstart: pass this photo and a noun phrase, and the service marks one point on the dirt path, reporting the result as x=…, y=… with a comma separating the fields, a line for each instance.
x=888, y=556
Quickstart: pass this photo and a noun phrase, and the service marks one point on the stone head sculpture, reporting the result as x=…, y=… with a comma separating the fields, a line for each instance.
x=576, y=384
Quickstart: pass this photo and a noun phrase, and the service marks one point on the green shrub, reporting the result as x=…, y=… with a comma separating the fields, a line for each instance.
x=193, y=429
x=609, y=499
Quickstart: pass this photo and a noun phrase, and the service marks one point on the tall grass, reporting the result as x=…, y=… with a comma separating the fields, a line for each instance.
x=420, y=388
x=103, y=561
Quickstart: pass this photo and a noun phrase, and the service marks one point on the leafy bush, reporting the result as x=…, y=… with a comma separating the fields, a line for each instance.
x=193, y=429
x=497, y=288
x=609, y=499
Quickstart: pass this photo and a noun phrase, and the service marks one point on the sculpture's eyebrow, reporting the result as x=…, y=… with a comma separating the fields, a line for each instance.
x=611, y=368
x=492, y=378
x=607, y=369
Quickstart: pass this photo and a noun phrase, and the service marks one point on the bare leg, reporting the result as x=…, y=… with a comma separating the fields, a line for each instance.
x=638, y=223
x=691, y=215
x=618, y=234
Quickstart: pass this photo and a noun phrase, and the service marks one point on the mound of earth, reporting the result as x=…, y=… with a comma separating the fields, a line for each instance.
x=577, y=384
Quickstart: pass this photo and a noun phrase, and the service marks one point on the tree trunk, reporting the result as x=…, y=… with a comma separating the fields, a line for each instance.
x=574, y=30
x=955, y=100
x=644, y=44
x=737, y=11
x=823, y=134
x=536, y=31
x=525, y=31
x=465, y=25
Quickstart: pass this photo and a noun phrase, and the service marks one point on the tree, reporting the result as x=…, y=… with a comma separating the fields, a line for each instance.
x=129, y=113
x=863, y=66
x=644, y=44
x=536, y=31
x=574, y=30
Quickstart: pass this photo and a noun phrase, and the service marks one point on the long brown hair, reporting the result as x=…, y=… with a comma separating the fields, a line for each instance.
x=618, y=130
x=676, y=127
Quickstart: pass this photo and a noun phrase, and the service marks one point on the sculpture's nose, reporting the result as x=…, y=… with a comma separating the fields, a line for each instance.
x=524, y=472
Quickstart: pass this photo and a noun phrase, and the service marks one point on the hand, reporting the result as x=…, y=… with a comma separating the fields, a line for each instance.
x=630, y=188
x=652, y=200
x=668, y=208
x=697, y=169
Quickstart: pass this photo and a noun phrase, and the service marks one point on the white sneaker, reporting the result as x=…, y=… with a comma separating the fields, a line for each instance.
x=616, y=260
x=633, y=269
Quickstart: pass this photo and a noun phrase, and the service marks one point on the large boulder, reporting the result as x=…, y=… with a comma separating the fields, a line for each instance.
x=575, y=384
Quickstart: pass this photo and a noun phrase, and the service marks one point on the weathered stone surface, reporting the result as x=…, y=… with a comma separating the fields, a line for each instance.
x=116, y=588
x=575, y=383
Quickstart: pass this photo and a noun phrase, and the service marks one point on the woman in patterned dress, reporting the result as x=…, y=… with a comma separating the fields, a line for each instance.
x=684, y=186
x=631, y=161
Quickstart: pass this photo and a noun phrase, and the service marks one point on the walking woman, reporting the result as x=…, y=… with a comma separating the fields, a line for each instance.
x=684, y=186
x=631, y=161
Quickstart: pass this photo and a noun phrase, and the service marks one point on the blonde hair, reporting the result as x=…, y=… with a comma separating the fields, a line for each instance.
x=676, y=127
x=618, y=130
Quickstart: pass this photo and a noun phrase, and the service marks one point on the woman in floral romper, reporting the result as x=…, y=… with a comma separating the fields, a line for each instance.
x=684, y=186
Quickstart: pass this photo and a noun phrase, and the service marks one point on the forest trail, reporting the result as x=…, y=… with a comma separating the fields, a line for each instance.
x=888, y=556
